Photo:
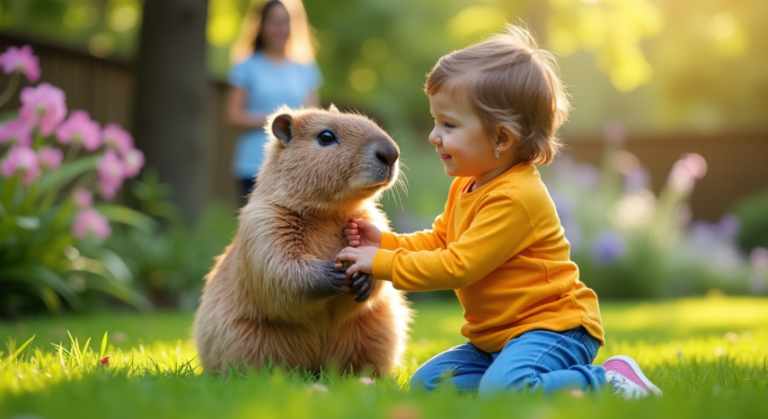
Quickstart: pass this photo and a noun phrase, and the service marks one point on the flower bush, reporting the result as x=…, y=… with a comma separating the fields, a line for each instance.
x=169, y=263
x=51, y=223
x=631, y=243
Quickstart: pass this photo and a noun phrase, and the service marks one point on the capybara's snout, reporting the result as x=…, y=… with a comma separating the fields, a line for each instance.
x=386, y=151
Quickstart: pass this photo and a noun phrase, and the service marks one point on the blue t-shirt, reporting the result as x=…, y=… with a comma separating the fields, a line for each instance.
x=268, y=85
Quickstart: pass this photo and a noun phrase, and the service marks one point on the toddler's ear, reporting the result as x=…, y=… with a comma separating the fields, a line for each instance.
x=333, y=108
x=505, y=138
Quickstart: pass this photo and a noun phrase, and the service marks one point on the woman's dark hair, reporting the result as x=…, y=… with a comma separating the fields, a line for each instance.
x=258, y=43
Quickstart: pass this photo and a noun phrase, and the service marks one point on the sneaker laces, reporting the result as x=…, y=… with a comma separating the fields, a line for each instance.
x=624, y=387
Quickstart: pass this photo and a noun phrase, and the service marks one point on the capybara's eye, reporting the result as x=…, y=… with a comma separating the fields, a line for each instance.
x=327, y=138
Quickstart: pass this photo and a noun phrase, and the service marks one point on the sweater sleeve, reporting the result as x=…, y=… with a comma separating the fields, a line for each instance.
x=428, y=239
x=500, y=230
x=421, y=240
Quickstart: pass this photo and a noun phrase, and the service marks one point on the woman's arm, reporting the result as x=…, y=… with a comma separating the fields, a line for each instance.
x=237, y=115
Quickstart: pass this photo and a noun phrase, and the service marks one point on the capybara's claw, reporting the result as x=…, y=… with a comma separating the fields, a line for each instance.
x=335, y=281
x=362, y=285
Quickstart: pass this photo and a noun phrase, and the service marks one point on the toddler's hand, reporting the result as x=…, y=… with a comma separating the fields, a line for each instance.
x=359, y=232
x=361, y=258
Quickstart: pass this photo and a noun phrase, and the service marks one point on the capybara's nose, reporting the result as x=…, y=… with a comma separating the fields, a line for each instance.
x=387, y=152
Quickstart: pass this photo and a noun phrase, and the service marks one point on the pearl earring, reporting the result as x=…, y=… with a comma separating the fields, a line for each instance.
x=496, y=152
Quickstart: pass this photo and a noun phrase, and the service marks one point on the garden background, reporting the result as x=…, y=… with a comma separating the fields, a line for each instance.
x=662, y=191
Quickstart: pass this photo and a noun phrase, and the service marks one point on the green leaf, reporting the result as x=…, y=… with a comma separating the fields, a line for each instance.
x=98, y=278
x=106, y=261
x=125, y=215
x=85, y=348
x=41, y=277
x=103, y=346
x=50, y=298
x=75, y=349
x=65, y=173
x=15, y=353
x=28, y=222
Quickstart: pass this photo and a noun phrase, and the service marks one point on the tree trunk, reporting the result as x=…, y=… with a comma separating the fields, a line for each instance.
x=172, y=95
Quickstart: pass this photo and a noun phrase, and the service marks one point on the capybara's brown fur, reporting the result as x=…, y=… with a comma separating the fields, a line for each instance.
x=271, y=295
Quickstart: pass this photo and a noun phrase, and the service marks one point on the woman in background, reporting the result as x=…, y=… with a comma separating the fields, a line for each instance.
x=280, y=71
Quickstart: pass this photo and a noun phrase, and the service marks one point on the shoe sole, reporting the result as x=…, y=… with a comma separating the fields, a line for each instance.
x=639, y=372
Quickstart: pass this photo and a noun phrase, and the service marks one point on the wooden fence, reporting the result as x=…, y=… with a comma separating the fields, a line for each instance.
x=104, y=87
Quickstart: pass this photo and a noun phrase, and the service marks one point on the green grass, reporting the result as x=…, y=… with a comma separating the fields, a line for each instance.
x=709, y=356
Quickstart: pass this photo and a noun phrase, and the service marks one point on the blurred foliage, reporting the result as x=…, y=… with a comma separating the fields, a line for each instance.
x=712, y=63
x=171, y=261
x=103, y=27
x=630, y=243
x=753, y=213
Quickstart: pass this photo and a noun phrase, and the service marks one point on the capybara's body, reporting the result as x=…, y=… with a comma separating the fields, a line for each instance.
x=275, y=293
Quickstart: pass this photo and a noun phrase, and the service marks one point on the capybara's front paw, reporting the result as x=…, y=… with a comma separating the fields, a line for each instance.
x=362, y=285
x=332, y=281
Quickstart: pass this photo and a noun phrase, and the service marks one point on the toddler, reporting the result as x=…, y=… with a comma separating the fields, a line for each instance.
x=530, y=322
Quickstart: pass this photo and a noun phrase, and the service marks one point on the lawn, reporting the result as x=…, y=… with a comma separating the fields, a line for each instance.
x=708, y=355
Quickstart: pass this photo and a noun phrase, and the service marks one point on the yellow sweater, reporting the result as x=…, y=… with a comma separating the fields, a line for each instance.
x=503, y=250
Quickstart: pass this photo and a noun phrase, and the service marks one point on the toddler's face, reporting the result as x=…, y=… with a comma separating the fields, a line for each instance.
x=459, y=137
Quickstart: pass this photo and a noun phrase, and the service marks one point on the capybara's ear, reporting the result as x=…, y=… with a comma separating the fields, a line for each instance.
x=281, y=127
x=333, y=108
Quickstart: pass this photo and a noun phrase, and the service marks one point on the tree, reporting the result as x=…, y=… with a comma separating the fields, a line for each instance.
x=172, y=95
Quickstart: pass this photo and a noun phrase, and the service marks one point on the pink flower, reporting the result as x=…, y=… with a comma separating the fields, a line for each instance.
x=44, y=106
x=90, y=223
x=50, y=157
x=118, y=138
x=80, y=129
x=686, y=170
x=133, y=162
x=21, y=60
x=111, y=174
x=21, y=161
x=83, y=198
x=16, y=132
x=695, y=164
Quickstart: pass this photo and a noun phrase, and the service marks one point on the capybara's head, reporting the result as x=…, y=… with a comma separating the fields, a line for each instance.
x=327, y=157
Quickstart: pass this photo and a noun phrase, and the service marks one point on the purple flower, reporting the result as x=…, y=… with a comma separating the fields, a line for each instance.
x=703, y=234
x=607, y=247
x=21, y=161
x=111, y=174
x=133, y=162
x=728, y=226
x=574, y=236
x=587, y=176
x=90, y=223
x=80, y=129
x=16, y=132
x=83, y=198
x=44, y=106
x=637, y=179
x=50, y=157
x=117, y=138
x=21, y=60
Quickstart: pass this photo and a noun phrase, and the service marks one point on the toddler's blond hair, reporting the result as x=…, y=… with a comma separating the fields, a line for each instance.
x=509, y=80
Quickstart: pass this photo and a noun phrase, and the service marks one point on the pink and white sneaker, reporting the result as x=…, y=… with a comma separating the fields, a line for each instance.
x=628, y=381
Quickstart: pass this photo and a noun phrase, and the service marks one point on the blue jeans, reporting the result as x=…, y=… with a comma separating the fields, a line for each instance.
x=536, y=360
